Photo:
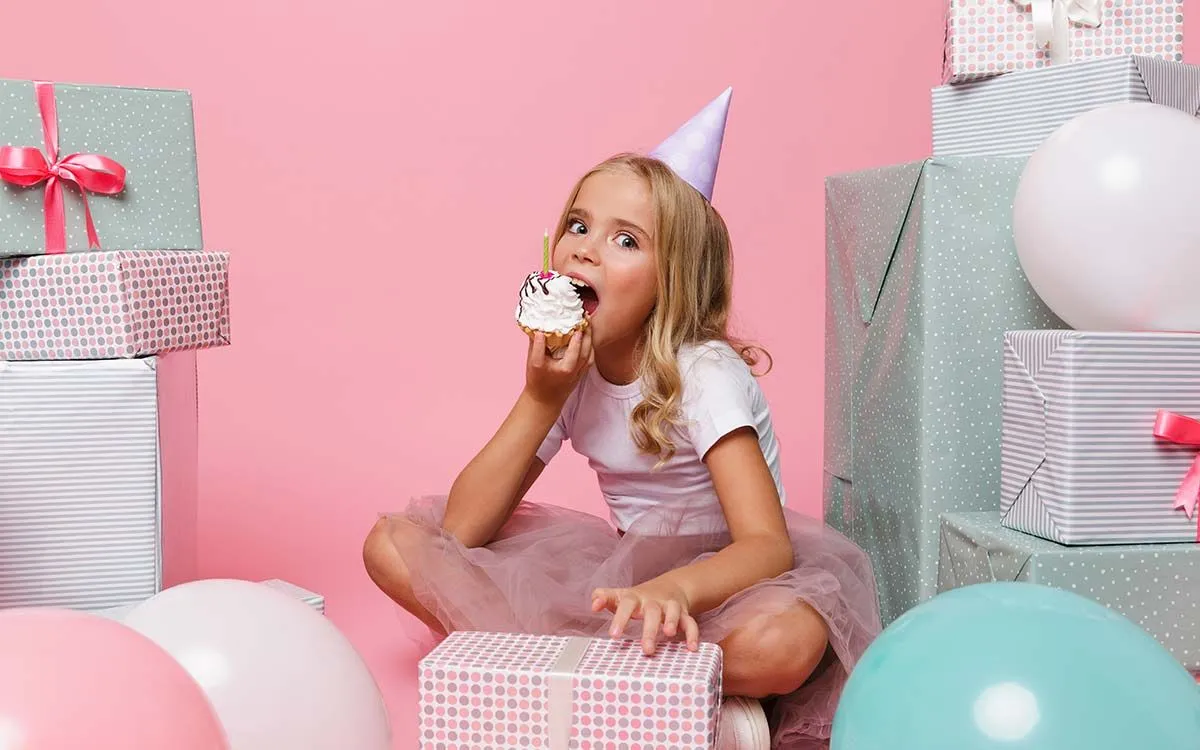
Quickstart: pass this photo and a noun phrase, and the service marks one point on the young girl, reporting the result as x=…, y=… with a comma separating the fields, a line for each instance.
x=665, y=406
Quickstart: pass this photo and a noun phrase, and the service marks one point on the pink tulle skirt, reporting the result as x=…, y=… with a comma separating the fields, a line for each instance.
x=537, y=576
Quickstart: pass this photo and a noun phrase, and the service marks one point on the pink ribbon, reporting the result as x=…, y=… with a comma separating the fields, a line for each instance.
x=1182, y=430
x=26, y=166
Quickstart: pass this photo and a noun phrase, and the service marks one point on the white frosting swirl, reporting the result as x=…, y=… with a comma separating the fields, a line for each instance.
x=549, y=303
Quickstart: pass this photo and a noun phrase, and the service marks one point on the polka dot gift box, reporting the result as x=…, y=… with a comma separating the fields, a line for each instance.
x=989, y=37
x=132, y=156
x=112, y=305
x=922, y=281
x=510, y=692
x=1157, y=586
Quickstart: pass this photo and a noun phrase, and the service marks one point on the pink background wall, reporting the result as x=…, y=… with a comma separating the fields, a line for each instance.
x=382, y=173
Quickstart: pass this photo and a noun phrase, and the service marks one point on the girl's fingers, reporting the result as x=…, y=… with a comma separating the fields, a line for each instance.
x=603, y=599
x=652, y=615
x=537, y=350
x=571, y=357
x=625, y=610
x=671, y=619
x=692, y=630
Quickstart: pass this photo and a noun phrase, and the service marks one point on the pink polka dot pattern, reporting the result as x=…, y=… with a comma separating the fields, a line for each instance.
x=493, y=690
x=988, y=37
x=112, y=304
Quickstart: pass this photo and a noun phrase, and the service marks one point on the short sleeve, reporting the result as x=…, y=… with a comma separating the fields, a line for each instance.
x=559, y=431
x=717, y=397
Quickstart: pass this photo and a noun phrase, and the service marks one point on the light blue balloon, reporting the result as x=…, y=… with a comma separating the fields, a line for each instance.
x=1016, y=666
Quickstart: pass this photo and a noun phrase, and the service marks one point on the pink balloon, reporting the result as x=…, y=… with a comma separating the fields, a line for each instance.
x=71, y=680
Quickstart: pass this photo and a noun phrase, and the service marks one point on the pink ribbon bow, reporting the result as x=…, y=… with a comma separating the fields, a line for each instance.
x=1184, y=431
x=26, y=166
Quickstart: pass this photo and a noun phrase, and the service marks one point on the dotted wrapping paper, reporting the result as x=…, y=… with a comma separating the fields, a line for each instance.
x=1156, y=586
x=922, y=281
x=149, y=132
x=512, y=691
x=112, y=305
x=988, y=37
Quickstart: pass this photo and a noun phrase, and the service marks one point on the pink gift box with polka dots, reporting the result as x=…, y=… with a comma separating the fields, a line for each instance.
x=510, y=692
x=989, y=37
x=112, y=304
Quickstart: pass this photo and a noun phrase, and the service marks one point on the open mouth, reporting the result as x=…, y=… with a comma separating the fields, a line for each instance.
x=587, y=295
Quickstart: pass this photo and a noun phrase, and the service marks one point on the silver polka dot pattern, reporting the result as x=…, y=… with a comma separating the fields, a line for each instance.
x=1156, y=586
x=913, y=396
x=149, y=132
x=112, y=305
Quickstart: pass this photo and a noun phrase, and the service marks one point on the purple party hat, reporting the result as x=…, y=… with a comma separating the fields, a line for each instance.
x=693, y=151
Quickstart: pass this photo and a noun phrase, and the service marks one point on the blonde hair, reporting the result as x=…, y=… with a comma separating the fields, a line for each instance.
x=695, y=280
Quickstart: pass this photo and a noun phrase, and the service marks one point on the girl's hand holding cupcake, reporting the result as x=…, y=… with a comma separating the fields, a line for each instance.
x=550, y=376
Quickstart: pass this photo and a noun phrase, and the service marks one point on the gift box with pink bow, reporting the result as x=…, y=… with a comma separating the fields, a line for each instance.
x=1100, y=438
x=90, y=167
x=989, y=37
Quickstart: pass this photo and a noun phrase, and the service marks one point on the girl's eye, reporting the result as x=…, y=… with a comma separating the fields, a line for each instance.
x=575, y=226
x=626, y=241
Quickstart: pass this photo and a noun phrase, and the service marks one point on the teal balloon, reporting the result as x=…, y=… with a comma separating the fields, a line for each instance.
x=1016, y=666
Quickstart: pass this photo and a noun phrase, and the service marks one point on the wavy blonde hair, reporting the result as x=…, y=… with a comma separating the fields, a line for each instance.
x=695, y=280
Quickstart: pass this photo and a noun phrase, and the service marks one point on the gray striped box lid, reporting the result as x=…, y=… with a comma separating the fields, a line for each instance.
x=1011, y=115
x=1080, y=463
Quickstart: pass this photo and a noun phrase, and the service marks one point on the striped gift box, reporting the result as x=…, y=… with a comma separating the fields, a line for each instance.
x=1012, y=115
x=97, y=480
x=311, y=598
x=1080, y=463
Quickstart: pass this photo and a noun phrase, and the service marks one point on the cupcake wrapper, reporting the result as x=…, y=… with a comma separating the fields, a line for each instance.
x=555, y=339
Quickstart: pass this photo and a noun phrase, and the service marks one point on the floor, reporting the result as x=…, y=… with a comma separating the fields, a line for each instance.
x=391, y=646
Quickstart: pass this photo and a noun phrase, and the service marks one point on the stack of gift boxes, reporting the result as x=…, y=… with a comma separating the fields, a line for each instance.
x=970, y=434
x=106, y=293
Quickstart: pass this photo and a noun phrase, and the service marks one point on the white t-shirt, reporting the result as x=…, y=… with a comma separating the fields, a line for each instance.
x=720, y=394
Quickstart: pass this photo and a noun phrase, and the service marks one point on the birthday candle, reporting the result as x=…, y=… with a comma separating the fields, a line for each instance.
x=546, y=251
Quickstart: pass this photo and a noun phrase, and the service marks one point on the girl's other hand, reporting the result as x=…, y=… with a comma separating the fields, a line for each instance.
x=550, y=377
x=659, y=605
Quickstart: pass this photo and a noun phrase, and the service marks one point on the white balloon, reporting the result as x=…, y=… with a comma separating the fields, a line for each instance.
x=1106, y=220
x=278, y=673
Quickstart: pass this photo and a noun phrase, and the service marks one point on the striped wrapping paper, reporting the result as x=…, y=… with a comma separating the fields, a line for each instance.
x=1079, y=460
x=311, y=598
x=1012, y=115
x=91, y=482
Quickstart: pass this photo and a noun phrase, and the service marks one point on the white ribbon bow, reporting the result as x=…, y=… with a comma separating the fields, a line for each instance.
x=1052, y=21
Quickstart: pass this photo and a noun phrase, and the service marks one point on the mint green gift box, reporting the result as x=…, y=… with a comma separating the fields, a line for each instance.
x=922, y=281
x=148, y=132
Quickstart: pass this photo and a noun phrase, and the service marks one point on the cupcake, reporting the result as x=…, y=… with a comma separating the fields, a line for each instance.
x=550, y=303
